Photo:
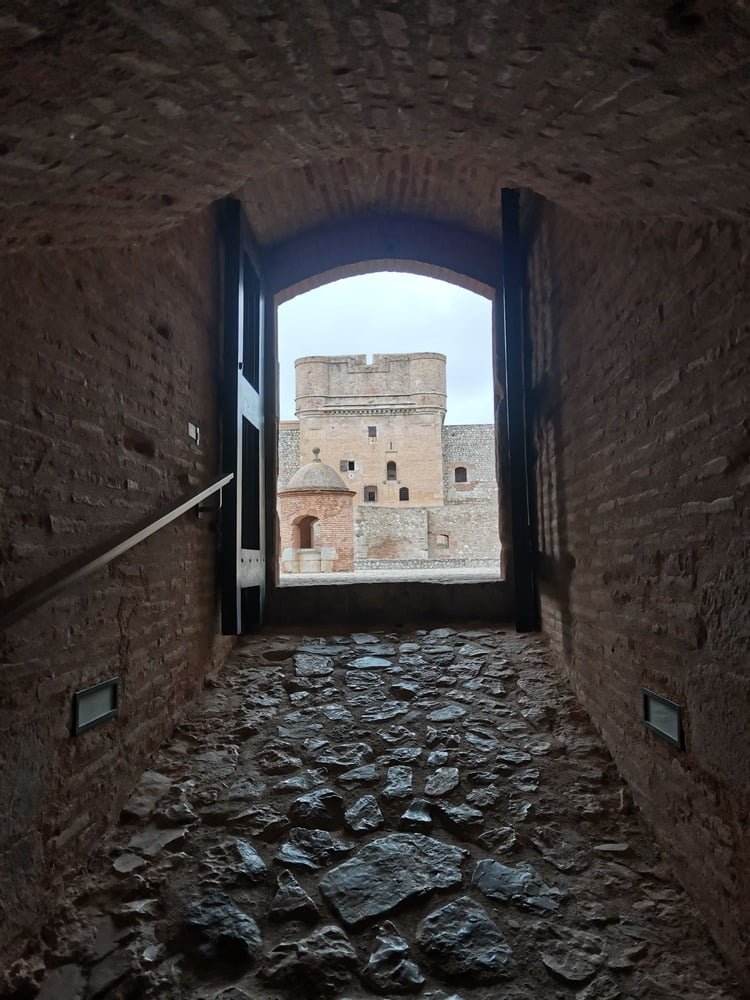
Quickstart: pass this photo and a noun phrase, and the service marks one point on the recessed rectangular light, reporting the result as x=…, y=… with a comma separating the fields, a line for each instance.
x=663, y=717
x=95, y=705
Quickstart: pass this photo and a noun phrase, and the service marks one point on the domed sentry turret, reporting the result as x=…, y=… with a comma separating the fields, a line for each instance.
x=316, y=521
x=316, y=475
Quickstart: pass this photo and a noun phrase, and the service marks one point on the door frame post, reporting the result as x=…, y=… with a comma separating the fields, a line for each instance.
x=524, y=571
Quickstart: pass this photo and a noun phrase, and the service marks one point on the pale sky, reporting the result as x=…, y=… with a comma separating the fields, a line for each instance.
x=393, y=313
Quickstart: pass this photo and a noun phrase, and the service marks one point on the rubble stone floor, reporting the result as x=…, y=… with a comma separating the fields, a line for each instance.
x=425, y=812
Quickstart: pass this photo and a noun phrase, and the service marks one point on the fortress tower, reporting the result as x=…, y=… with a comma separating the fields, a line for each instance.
x=380, y=424
x=422, y=495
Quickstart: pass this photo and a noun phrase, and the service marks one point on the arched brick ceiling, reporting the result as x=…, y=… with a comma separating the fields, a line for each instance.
x=121, y=117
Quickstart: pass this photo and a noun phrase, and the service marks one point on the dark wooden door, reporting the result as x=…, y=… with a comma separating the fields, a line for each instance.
x=243, y=557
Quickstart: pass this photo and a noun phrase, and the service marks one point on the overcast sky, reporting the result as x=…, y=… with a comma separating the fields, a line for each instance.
x=393, y=313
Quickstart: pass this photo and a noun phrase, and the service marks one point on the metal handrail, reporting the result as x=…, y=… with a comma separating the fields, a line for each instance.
x=43, y=589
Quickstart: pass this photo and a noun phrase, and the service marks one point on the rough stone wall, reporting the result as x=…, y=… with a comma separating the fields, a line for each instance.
x=408, y=532
x=471, y=529
x=106, y=357
x=385, y=533
x=641, y=378
x=333, y=510
x=289, y=454
x=473, y=447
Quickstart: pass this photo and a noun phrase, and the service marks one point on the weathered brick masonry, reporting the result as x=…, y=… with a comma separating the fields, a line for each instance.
x=140, y=113
x=641, y=372
x=121, y=120
x=106, y=358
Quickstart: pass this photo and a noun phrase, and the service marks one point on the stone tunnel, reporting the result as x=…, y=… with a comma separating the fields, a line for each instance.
x=532, y=787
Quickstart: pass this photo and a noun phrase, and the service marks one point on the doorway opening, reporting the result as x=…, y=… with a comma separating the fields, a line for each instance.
x=387, y=433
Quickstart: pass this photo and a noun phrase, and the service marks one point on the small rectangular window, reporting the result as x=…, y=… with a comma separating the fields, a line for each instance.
x=371, y=494
x=346, y=465
x=442, y=541
x=372, y=432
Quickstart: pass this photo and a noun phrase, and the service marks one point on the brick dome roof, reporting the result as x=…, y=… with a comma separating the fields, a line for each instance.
x=316, y=475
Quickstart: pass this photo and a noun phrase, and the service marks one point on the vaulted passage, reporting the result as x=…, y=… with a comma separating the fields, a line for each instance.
x=170, y=174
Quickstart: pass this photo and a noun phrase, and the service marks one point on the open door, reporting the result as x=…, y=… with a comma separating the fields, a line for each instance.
x=243, y=557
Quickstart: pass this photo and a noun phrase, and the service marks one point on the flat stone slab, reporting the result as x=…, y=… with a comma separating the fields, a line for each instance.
x=311, y=848
x=246, y=863
x=319, y=965
x=442, y=781
x=369, y=663
x=388, y=871
x=221, y=931
x=401, y=755
x=152, y=787
x=520, y=884
x=575, y=957
x=399, y=783
x=303, y=781
x=331, y=649
x=322, y=809
x=513, y=756
x=291, y=902
x=379, y=649
x=367, y=774
x=344, y=756
x=390, y=968
x=417, y=816
x=464, y=820
x=364, y=815
x=151, y=841
x=386, y=710
x=312, y=665
x=448, y=713
x=462, y=940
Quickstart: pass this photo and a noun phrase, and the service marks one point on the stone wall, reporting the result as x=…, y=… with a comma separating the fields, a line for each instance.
x=106, y=357
x=465, y=531
x=471, y=531
x=437, y=566
x=385, y=533
x=471, y=446
x=641, y=378
x=289, y=457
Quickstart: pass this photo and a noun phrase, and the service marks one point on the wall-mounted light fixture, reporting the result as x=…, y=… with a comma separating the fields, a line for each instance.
x=95, y=705
x=663, y=717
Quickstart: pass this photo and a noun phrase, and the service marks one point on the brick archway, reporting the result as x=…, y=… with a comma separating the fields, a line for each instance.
x=435, y=249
